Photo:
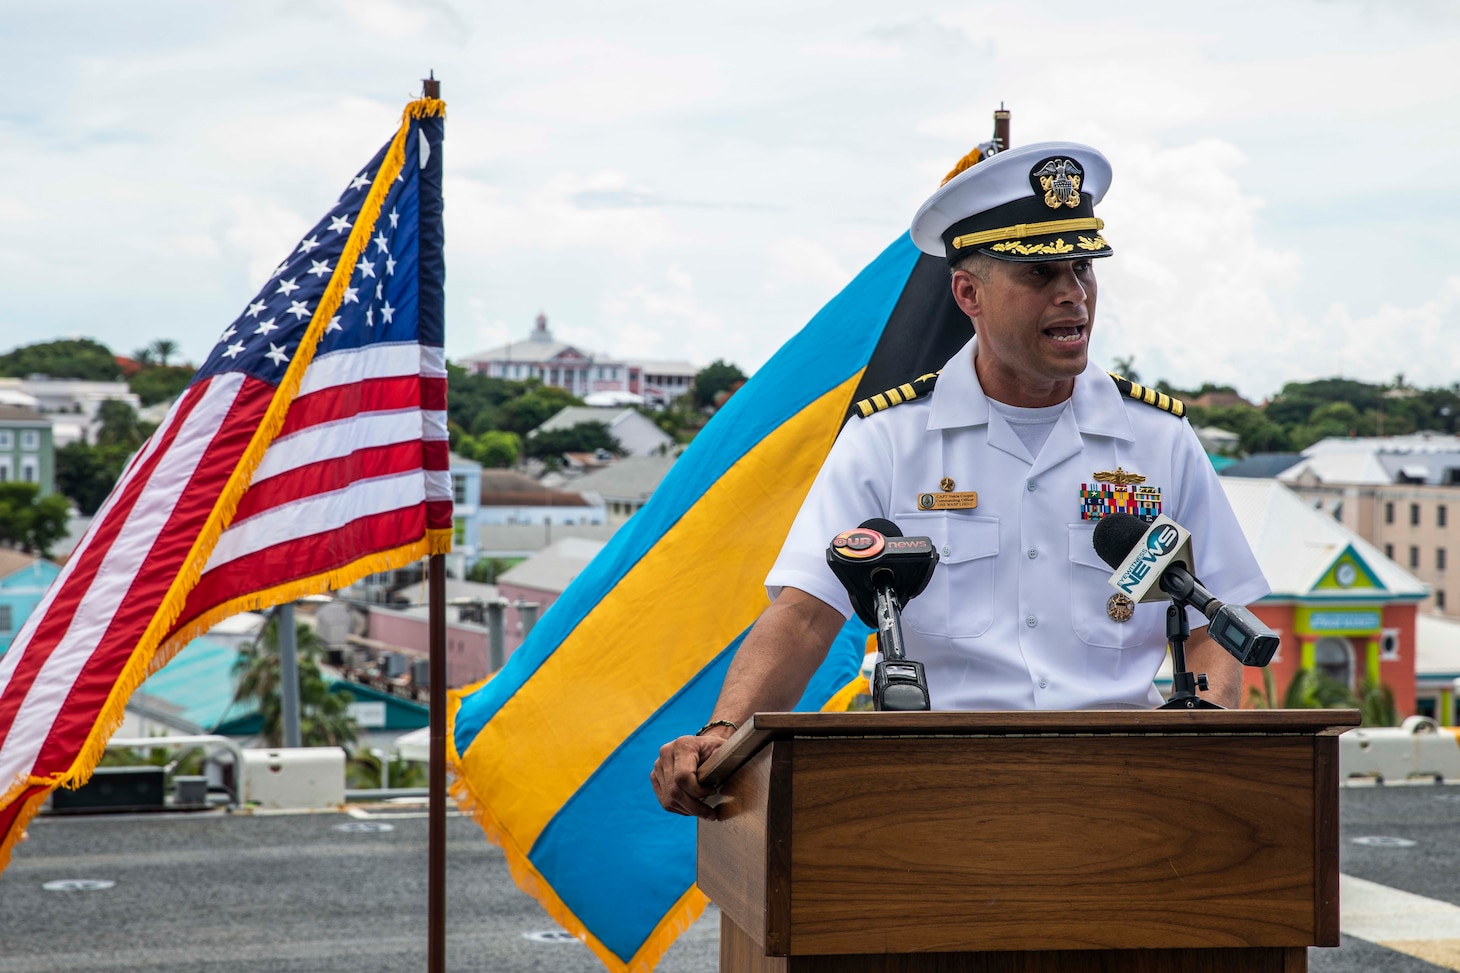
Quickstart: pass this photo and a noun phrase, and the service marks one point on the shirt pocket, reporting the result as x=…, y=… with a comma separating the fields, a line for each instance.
x=959, y=600
x=1090, y=593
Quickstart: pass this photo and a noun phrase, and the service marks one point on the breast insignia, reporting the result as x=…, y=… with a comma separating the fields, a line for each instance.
x=1160, y=400
x=897, y=395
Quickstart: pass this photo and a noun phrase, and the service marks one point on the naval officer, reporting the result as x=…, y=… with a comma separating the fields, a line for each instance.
x=1006, y=459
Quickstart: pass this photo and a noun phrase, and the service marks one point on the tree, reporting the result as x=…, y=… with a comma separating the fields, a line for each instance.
x=119, y=425
x=487, y=570
x=69, y=358
x=585, y=437
x=86, y=473
x=160, y=383
x=526, y=412
x=324, y=718
x=495, y=448
x=1126, y=367
x=714, y=378
x=163, y=349
x=29, y=521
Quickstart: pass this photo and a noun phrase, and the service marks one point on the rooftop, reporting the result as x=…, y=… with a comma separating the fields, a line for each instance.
x=554, y=567
x=633, y=477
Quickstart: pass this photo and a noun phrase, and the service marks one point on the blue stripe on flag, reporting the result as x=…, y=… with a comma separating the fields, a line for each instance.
x=828, y=351
x=646, y=856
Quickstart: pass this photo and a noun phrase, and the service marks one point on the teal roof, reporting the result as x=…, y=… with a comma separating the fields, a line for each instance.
x=198, y=685
x=1220, y=463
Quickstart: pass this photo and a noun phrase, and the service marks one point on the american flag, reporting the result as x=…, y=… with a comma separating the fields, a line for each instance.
x=308, y=451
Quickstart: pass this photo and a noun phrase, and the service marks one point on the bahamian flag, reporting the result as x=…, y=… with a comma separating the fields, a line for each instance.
x=552, y=755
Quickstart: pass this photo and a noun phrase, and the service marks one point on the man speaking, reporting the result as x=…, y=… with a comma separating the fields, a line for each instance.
x=1007, y=464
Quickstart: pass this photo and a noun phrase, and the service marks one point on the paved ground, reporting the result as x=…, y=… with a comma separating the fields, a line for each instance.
x=229, y=894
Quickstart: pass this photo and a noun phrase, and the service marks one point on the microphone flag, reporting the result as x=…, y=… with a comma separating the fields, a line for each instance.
x=1163, y=544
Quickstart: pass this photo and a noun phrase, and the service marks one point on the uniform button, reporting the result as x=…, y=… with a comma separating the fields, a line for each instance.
x=1031, y=621
x=1031, y=486
x=1033, y=553
x=947, y=550
x=1043, y=683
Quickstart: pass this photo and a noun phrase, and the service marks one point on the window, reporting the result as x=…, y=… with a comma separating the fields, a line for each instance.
x=1389, y=551
x=1413, y=556
x=1440, y=519
x=6, y=621
x=458, y=489
x=1389, y=512
x=7, y=439
x=30, y=469
x=1334, y=658
x=30, y=439
x=1389, y=645
x=1439, y=559
x=1414, y=515
x=6, y=475
x=1439, y=599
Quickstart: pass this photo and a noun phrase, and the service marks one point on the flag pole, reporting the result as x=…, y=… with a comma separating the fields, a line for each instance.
x=436, y=852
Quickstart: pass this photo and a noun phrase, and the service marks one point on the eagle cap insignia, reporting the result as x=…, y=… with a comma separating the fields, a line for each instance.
x=1120, y=476
x=1059, y=179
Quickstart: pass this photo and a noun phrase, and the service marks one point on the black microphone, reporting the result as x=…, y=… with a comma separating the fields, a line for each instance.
x=882, y=571
x=1233, y=627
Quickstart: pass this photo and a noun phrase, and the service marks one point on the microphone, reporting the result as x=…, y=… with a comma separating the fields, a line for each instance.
x=1155, y=560
x=882, y=571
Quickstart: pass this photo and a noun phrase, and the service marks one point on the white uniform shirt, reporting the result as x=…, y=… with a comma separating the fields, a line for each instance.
x=1015, y=615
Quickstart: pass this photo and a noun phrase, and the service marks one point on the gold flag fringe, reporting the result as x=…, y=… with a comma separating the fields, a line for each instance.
x=971, y=159
x=140, y=665
x=17, y=830
x=680, y=916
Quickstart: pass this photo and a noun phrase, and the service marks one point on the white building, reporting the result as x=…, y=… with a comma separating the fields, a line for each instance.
x=579, y=371
x=635, y=432
x=72, y=403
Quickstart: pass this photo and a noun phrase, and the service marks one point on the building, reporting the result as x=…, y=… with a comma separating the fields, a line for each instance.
x=636, y=433
x=623, y=488
x=509, y=497
x=580, y=372
x=24, y=579
x=72, y=403
x=1437, y=668
x=27, y=449
x=1340, y=606
x=1397, y=492
x=541, y=579
x=466, y=514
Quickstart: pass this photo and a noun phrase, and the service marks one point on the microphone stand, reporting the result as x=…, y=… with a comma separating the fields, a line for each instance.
x=1184, y=683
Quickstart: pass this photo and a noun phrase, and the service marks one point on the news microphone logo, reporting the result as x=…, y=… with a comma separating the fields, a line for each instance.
x=1165, y=543
x=859, y=543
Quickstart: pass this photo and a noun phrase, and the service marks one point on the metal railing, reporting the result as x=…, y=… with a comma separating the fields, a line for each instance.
x=239, y=798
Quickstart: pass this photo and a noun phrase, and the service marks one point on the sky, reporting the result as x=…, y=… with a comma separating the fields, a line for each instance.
x=694, y=182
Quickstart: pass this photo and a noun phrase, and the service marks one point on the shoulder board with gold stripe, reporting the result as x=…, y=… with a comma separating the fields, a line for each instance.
x=1160, y=400
x=897, y=395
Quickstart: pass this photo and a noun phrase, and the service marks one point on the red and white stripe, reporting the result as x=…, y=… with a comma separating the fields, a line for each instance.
x=359, y=468
x=62, y=667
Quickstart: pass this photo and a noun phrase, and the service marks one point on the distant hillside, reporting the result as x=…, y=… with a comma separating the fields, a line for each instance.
x=69, y=358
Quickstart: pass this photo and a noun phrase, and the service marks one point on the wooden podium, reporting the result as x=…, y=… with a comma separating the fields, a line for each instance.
x=1111, y=841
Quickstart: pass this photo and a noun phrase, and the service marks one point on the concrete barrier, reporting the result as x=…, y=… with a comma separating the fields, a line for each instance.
x=1420, y=748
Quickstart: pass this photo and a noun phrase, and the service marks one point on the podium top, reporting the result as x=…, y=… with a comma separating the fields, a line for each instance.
x=762, y=728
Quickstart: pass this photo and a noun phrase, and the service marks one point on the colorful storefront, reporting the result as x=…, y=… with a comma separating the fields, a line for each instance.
x=1341, y=607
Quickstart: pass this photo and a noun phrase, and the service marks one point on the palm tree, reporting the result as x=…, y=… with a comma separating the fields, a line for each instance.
x=162, y=348
x=324, y=716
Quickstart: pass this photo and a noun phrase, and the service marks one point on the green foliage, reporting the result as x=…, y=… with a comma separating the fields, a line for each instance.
x=1313, y=690
x=162, y=349
x=713, y=378
x=1125, y=367
x=526, y=412
x=488, y=569
x=187, y=761
x=496, y=448
x=29, y=521
x=68, y=358
x=119, y=425
x=1377, y=705
x=363, y=771
x=86, y=473
x=324, y=719
x=160, y=383
x=585, y=437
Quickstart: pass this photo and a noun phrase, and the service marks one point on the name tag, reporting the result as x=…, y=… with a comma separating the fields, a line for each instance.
x=948, y=501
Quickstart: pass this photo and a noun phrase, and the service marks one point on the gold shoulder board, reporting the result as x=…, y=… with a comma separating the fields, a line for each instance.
x=897, y=395
x=1160, y=400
